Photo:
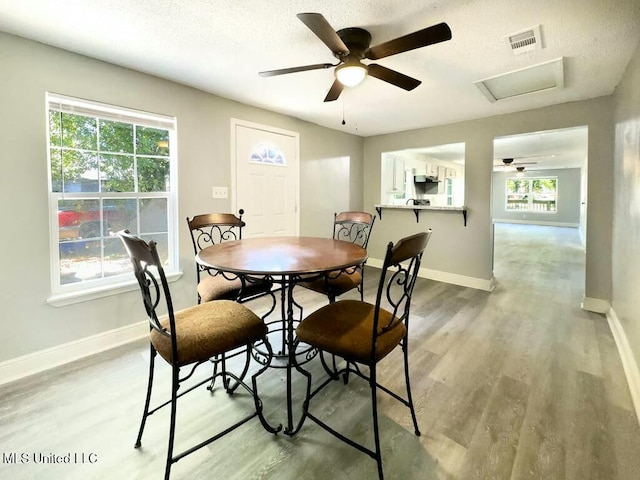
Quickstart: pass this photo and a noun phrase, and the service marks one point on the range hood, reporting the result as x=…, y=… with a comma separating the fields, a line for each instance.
x=425, y=179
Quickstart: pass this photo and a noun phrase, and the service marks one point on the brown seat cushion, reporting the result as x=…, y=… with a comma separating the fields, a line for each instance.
x=335, y=283
x=345, y=328
x=209, y=329
x=218, y=287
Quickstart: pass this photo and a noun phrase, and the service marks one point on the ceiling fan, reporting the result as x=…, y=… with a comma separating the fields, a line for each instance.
x=351, y=45
x=511, y=162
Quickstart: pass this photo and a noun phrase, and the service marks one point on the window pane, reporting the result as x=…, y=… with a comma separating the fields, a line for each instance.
x=78, y=219
x=162, y=241
x=80, y=261
x=545, y=185
x=54, y=129
x=517, y=186
x=517, y=202
x=153, y=215
x=544, y=194
x=119, y=214
x=116, y=260
x=152, y=141
x=79, y=132
x=264, y=153
x=56, y=169
x=79, y=171
x=116, y=173
x=116, y=137
x=153, y=174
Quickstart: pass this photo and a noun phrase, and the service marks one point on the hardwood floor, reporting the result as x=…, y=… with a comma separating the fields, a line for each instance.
x=519, y=383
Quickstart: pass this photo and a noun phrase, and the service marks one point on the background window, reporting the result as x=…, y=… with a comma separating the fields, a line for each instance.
x=110, y=169
x=532, y=194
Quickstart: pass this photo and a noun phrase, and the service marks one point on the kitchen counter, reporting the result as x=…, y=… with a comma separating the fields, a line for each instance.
x=417, y=209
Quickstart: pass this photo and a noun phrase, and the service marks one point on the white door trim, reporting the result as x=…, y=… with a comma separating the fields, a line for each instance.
x=234, y=181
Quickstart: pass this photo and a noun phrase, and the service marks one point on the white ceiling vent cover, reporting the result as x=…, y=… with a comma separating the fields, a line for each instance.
x=537, y=78
x=525, y=40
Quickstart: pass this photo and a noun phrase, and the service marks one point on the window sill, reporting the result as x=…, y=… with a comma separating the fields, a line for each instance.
x=63, y=299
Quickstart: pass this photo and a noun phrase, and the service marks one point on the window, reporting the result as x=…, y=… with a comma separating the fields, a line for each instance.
x=532, y=194
x=109, y=169
x=448, y=190
x=268, y=154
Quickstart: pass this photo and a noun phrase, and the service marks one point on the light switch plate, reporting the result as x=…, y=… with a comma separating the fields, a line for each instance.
x=219, y=192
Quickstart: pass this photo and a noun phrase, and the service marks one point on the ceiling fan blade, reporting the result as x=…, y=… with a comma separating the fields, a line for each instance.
x=283, y=71
x=427, y=36
x=324, y=31
x=334, y=91
x=391, y=76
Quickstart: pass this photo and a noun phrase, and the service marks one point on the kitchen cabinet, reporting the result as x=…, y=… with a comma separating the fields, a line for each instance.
x=431, y=169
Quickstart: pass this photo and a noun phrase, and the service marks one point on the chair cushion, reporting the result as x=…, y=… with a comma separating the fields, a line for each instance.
x=336, y=283
x=345, y=328
x=209, y=329
x=219, y=288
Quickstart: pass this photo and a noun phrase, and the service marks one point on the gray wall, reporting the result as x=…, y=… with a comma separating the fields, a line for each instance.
x=568, y=204
x=626, y=217
x=29, y=69
x=468, y=251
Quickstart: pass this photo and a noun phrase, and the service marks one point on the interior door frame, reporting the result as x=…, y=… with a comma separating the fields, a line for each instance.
x=235, y=122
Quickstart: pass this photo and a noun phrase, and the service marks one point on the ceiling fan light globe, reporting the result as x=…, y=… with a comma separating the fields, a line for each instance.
x=351, y=75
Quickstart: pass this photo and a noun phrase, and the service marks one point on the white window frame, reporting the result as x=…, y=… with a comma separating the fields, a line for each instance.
x=529, y=195
x=96, y=288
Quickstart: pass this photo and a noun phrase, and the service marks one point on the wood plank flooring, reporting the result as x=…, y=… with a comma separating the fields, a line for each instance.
x=519, y=383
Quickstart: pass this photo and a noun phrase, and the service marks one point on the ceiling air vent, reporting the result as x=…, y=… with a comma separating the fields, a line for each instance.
x=526, y=40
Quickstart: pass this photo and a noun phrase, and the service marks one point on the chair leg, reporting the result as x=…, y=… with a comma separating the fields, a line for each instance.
x=145, y=413
x=214, y=374
x=345, y=375
x=172, y=423
x=254, y=383
x=405, y=351
x=376, y=430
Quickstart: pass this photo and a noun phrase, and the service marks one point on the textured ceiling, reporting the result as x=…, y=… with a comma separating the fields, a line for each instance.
x=219, y=46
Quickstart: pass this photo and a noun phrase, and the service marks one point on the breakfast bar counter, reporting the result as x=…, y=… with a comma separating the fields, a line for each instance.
x=417, y=209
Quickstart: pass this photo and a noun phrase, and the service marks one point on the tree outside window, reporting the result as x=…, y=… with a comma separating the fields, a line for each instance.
x=532, y=194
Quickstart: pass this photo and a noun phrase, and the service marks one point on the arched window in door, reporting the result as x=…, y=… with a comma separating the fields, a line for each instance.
x=267, y=154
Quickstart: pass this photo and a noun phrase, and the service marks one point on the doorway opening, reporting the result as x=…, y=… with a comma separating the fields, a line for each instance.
x=539, y=181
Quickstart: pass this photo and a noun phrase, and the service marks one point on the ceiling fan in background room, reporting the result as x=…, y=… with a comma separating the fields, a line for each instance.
x=351, y=45
x=514, y=163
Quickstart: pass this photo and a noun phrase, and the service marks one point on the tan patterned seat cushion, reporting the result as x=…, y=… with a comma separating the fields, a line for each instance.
x=209, y=329
x=218, y=287
x=336, y=285
x=345, y=328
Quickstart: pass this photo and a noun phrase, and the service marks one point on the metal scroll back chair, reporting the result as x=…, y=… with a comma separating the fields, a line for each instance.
x=210, y=229
x=364, y=334
x=354, y=227
x=190, y=337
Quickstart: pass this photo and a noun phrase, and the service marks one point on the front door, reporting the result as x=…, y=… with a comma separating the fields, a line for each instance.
x=266, y=185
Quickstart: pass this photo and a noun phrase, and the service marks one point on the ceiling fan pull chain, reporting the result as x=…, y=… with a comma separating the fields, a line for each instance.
x=343, y=122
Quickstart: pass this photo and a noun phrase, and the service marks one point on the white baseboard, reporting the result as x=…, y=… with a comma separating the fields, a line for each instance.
x=537, y=222
x=32, y=363
x=446, y=277
x=596, y=305
x=628, y=359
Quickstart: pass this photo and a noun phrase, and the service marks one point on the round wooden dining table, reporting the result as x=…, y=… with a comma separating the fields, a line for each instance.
x=279, y=256
x=285, y=261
